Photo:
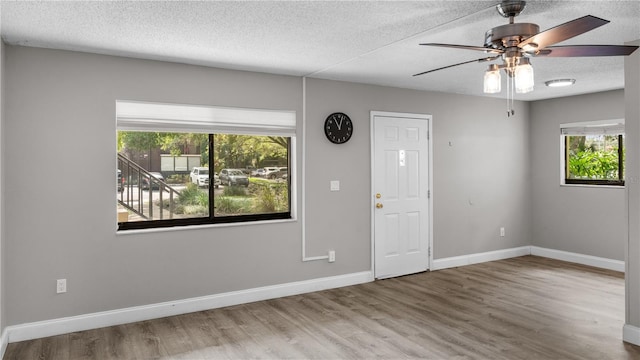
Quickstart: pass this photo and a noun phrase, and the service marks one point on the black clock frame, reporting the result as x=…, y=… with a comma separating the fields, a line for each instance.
x=338, y=128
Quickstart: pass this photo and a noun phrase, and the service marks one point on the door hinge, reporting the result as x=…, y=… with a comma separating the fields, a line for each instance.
x=429, y=251
x=428, y=135
x=428, y=194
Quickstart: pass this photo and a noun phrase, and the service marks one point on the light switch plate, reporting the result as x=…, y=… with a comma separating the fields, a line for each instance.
x=335, y=185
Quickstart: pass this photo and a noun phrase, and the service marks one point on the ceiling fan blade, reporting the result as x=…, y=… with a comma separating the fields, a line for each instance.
x=491, y=58
x=466, y=47
x=563, y=32
x=587, y=50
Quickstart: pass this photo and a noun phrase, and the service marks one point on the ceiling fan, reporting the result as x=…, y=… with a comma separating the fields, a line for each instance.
x=517, y=43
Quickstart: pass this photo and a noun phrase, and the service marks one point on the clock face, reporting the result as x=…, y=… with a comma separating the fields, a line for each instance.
x=338, y=128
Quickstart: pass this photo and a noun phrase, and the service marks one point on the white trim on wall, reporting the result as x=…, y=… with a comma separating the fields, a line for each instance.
x=66, y=325
x=595, y=261
x=631, y=334
x=455, y=261
x=4, y=341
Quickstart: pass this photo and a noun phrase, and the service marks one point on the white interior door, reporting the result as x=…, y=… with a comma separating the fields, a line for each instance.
x=401, y=195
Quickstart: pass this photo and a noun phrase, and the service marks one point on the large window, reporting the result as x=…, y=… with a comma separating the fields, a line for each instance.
x=593, y=153
x=212, y=165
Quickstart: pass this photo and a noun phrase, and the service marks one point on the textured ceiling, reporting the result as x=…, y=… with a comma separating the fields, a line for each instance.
x=361, y=41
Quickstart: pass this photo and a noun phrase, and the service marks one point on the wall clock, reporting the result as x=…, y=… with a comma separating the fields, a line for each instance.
x=338, y=128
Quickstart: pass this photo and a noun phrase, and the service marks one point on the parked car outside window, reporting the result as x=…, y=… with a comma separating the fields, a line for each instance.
x=271, y=172
x=233, y=177
x=154, y=184
x=200, y=177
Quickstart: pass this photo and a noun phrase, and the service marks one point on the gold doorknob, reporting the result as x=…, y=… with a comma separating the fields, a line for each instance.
x=379, y=205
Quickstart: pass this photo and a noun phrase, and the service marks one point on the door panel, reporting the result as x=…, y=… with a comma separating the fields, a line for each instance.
x=401, y=216
x=413, y=232
x=391, y=232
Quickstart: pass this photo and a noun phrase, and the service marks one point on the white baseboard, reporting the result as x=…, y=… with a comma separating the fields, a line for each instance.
x=60, y=326
x=445, y=263
x=631, y=334
x=604, y=263
x=599, y=262
x=4, y=341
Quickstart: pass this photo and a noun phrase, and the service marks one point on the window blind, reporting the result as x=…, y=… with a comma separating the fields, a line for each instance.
x=596, y=129
x=147, y=116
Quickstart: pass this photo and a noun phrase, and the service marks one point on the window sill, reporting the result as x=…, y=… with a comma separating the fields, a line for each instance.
x=594, y=186
x=201, y=227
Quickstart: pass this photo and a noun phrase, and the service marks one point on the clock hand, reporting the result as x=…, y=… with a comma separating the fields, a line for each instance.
x=339, y=124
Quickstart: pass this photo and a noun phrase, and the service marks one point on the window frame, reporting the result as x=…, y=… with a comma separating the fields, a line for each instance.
x=608, y=127
x=277, y=123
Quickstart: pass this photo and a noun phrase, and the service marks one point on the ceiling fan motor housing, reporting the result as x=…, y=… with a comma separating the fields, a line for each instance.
x=504, y=36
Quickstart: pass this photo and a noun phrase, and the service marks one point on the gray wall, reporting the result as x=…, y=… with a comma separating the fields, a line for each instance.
x=59, y=160
x=480, y=181
x=583, y=220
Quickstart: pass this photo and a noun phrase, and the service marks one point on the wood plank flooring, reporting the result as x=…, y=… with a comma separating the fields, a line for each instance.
x=521, y=308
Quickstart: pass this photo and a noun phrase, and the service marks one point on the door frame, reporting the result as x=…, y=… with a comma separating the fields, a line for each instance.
x=428, y=118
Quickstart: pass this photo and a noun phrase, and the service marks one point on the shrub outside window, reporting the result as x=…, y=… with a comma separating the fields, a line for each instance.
x=594, y=155
x=179, y=177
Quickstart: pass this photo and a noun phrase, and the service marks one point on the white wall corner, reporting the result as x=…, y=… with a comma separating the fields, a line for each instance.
x=455, y=261
x=595, y=261
x=631, y=334
x=67, y=325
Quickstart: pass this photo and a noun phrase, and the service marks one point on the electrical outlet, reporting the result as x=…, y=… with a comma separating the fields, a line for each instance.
x=332, y=256
x=61, y=286
x=502, y=232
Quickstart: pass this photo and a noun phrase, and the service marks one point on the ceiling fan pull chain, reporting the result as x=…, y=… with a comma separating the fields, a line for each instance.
x=510, y=96
x=513, y=93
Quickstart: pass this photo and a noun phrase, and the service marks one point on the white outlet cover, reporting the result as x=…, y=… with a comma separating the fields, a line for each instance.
x=335, y=185
x=61, y=286
x=332, y=256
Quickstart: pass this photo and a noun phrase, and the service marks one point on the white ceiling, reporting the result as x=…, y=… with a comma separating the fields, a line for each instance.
x=374, y=42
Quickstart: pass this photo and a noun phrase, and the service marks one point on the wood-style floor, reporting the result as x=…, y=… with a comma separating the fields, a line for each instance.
x=521, y=308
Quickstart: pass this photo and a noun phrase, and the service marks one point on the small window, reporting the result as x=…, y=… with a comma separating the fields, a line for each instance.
x=593, y=154
x=191, y=177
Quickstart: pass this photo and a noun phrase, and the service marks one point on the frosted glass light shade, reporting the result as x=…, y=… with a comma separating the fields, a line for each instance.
x=524, y=78
x=492, y=80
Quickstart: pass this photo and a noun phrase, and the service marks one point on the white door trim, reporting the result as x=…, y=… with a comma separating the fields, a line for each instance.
x=373, y=114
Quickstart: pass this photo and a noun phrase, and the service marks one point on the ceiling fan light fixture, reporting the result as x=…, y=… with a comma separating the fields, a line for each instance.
x=560, y=82
x=524, y=76
x=492, y=80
